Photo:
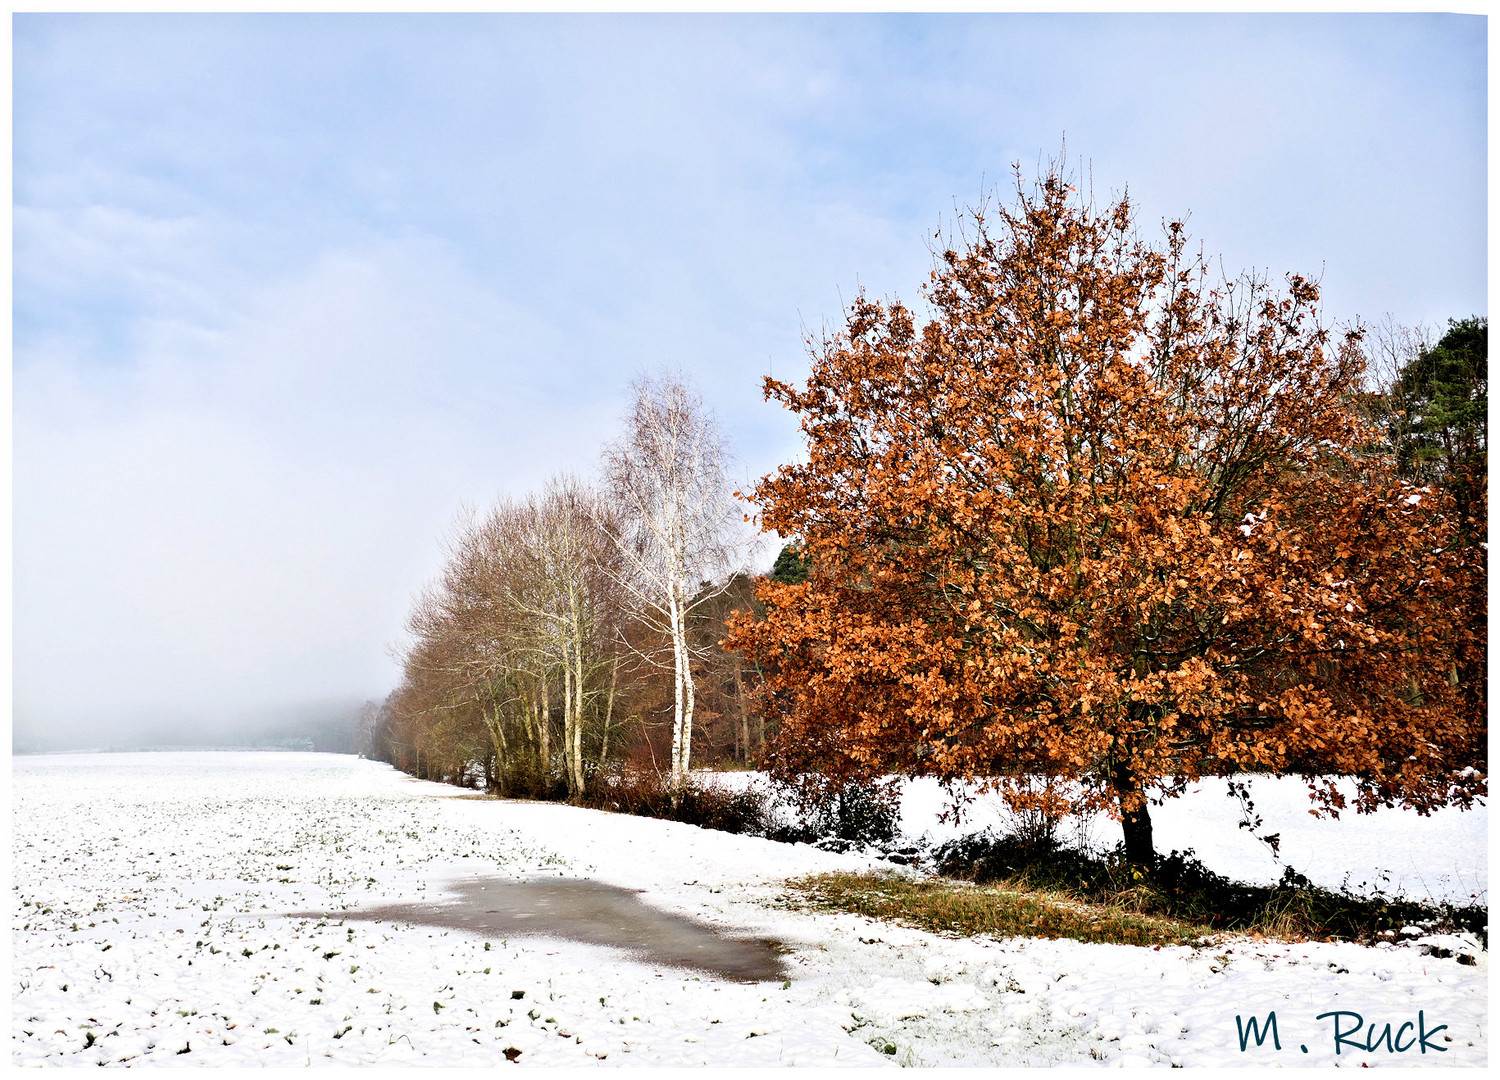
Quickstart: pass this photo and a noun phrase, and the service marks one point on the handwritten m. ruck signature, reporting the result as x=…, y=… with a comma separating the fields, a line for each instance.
x=1349, y=1033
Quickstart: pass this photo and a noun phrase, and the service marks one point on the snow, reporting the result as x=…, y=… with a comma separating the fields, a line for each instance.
x=152, y=922
x=1437, y=858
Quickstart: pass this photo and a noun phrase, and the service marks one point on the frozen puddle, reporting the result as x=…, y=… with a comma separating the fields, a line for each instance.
x=590, y=912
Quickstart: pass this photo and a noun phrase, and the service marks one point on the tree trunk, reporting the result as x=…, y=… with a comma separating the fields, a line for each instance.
x=570, y=715
x=1135, y=821
x=689, y=692
x=609, y=712
x=739, y=693
x=494, y=718
x=544, y=733
x=577, y=748
x=679, y=713
x=760, y=715
x=572, y=632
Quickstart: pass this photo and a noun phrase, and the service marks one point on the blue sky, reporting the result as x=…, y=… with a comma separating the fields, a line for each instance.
x=288, y=289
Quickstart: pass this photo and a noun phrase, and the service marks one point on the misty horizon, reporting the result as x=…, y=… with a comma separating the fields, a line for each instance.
x=331, y=725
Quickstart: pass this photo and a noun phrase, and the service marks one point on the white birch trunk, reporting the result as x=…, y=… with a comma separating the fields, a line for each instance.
x=689, y=696
x=679, y=753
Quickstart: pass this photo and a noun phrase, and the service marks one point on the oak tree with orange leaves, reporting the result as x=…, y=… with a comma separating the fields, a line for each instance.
x=1106, y=520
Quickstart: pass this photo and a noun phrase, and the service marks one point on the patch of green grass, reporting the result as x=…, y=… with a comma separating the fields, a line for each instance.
x=960, y=907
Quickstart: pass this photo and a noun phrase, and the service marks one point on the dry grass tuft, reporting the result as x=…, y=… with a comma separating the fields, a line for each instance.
x=958, y=907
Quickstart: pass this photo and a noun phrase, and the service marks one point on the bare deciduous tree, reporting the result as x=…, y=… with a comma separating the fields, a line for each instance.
x=667, y=475
x=526, y=606
x=570, y=564
x=1389, y=348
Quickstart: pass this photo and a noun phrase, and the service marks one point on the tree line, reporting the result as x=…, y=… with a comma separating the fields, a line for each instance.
x=1090, y=522
x=576, y=629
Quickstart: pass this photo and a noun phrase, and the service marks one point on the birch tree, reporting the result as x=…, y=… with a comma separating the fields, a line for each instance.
x=667, y=476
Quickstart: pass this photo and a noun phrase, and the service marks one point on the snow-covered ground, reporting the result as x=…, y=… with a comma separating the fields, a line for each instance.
x=1440, y=857
x=150, y=923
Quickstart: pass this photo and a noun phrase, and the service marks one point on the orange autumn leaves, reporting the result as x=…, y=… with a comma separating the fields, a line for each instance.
x=1101, y=518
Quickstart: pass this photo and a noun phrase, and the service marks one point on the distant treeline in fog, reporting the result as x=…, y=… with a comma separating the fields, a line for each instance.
x=341, y=728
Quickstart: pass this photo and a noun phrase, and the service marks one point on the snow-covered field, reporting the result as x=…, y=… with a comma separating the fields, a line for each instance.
x=151, y=901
